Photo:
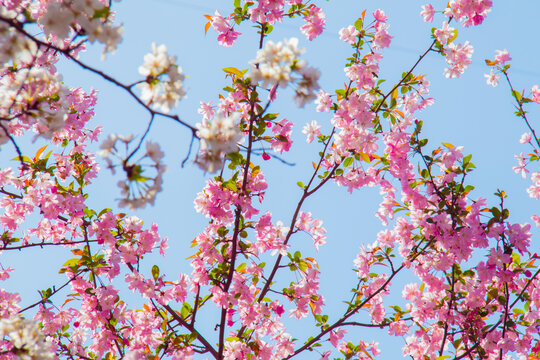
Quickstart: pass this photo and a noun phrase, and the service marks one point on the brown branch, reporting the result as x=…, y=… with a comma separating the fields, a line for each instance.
x=47, y=244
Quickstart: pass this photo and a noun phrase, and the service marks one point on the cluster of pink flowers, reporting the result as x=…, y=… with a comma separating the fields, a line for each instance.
x=458, y=56
x=266, y=13
x=227, y=36
x=502, y=57
x=282, y=142
x=382, y=38
x=314, y=22
x=469, y=12
x=535, y=94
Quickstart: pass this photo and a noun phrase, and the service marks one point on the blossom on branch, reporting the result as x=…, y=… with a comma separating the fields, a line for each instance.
x=278, y=64
x=163, y=86
x=218, y=137
x=24, y=340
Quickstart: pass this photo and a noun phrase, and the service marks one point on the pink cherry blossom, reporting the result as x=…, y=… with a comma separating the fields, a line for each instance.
x=535, y=94
x=427, y=12
x=324, y=101
x=492, y=78
x=315, y=23
x=502, y=56
x=312, y=130
x=349, y=34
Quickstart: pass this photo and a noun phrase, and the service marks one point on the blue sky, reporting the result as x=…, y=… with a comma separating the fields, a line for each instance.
x=467, y=112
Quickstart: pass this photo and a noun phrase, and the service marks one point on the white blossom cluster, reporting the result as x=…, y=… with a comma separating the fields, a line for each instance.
x=218, y=138
x=138, y=189
x=89, y=17
x=279, y=64
x=12, y=44
x=26, y=342
x=159, y=90
x=34, y=97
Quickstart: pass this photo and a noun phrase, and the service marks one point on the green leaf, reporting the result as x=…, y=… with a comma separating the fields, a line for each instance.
x=102, y=13
x=230, y=185
x=186, y=309
x=518, y=311
x=89, y=212
x=268, y=29
x=496, y=212
x=282, y=138
x=233, y=70
x=270, y=116
x=24, y=159
x=104, y=211
x=454, y=36
x=364, y=157
x=516, y=258
x=71, y=262
x=348, y=162
x=358, y=24
x=155, y=272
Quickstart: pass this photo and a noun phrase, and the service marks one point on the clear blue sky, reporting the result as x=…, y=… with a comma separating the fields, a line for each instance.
x=467, y=112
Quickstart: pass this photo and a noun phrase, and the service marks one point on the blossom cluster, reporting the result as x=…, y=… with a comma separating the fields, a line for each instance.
x=25, y=341
x=92, y=18
x=265, y=14
x=163, y=85
x=218, y=136
x=468, y=12
x=12, y=44
x=457, y=56
x=502, y=57
x=278, y=64
x=38, y=101
x=227, y=36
